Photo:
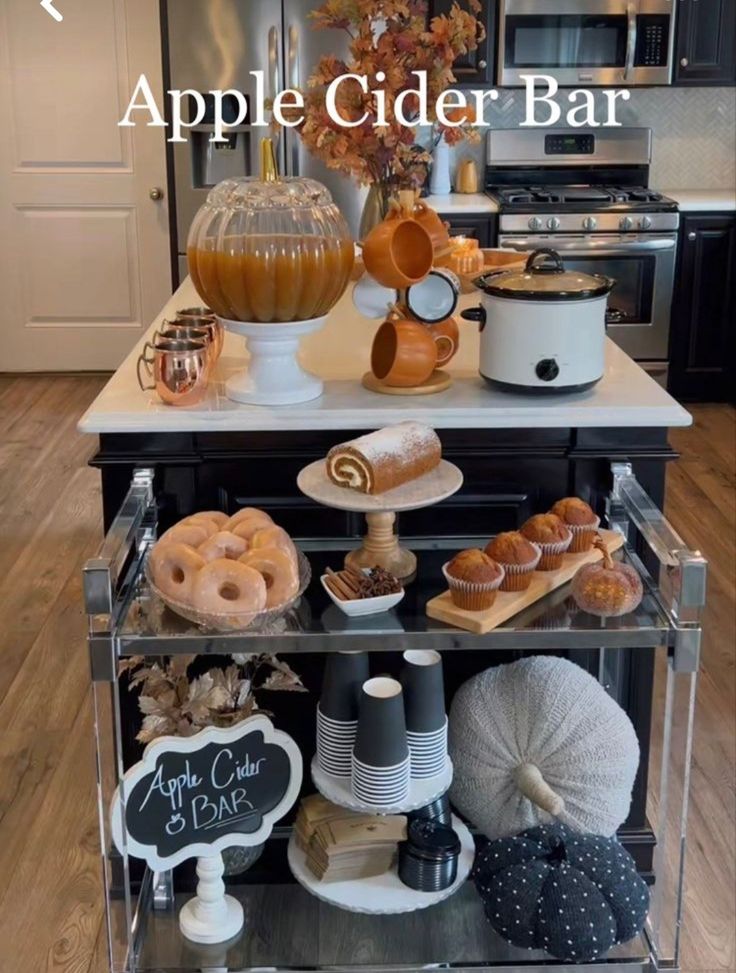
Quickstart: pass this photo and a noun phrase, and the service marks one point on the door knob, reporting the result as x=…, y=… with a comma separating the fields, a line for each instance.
x=684, y=62
x=156, y=194
x=482, y=65
x=692, y=237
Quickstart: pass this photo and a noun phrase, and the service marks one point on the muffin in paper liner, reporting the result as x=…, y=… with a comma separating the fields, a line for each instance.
x=552, y=554
x=473, y=596
x=583, y=536
x=518, y=577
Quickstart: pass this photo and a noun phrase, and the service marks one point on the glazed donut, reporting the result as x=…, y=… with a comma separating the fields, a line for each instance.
x=175, y=568
x=279, y=572
x=248, y=513
x=274, y=537
x=191, y=534
x=198, y=521
x=215, y=515
x=248, y=526
x=223, y=544
x=228, y=586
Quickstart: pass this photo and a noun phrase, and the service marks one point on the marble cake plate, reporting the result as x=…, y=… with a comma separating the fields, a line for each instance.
x=381, y=894
x=381, y=545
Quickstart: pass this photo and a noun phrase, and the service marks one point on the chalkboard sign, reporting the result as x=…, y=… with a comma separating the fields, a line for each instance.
x=195, y=796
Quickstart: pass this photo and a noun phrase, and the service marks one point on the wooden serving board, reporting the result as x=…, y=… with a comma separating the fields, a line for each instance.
x=510, y=603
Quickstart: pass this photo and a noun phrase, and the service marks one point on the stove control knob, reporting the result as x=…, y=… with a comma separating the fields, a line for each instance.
x=547, y=370
x=590, y=223
x=645, y=223
x=553, y=223
x=626, y=224
x=535, y=223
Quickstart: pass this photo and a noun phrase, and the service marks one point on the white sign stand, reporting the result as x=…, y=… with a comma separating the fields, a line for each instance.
x=211, y=916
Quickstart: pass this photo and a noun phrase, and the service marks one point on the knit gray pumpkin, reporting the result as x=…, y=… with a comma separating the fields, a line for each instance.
x=553, y=889
x=541, y=740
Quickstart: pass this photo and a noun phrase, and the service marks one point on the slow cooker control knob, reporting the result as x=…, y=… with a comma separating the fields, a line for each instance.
x=590, y=223
x=548, y=370
x=535, y=223
x=553, y=223
x=626, y=224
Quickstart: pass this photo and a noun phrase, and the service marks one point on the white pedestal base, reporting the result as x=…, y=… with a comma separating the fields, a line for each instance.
x=274, y=375
x=211, y=916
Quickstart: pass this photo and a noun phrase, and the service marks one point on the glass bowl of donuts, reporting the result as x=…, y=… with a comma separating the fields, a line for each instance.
x=227, y=574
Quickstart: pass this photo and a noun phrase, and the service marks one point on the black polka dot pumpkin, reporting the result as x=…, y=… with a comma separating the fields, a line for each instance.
x=551, y=888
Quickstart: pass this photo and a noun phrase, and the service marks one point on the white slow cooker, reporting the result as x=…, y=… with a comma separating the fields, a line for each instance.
x=543, y=328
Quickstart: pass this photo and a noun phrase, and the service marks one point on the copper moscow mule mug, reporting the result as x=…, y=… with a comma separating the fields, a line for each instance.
x=179, y=370
x=202, y=317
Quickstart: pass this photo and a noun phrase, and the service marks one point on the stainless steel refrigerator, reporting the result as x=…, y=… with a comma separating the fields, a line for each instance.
x=214, y=45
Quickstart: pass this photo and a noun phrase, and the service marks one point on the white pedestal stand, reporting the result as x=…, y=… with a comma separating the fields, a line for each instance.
x=211, y=916
x=274, y=375
x=381, y=544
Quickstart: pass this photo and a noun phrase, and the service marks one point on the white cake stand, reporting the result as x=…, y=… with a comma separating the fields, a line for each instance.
x=381, y=545
x=421, y=792
x=274, y=375
x=382, y=894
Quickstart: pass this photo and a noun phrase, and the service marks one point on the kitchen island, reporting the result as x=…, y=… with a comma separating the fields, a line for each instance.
x=518, y=455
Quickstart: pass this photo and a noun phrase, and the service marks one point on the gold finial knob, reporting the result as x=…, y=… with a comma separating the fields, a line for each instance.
x=269, y=168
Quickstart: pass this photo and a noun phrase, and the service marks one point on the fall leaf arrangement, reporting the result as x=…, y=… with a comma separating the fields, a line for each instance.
x=393, y=37
x=174, y=704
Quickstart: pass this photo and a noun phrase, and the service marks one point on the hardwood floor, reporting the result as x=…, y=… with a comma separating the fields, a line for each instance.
x=50, y=902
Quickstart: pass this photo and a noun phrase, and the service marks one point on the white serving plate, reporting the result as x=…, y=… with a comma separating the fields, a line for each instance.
x=360, y=607
x=382, y=894
x=421, y=792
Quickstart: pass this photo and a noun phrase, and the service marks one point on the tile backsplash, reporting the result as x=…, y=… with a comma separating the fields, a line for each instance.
x=694, y=132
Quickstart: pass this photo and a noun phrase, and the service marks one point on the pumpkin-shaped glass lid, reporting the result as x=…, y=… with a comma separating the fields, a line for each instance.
x=545, y=279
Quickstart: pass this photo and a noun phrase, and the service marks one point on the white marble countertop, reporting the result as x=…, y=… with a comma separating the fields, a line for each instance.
x=457, y=204
x=340, y=353
x=703, y=200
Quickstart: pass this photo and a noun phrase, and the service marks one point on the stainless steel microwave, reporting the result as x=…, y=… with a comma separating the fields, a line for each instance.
x=616, y=43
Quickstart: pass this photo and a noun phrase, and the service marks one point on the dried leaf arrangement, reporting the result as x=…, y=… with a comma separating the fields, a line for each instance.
x=386, y=155
x=174, y=704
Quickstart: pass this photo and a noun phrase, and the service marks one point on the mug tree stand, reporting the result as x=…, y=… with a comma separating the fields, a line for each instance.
x=381, y=547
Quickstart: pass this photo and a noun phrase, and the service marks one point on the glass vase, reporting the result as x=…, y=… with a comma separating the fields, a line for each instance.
x=376, y=208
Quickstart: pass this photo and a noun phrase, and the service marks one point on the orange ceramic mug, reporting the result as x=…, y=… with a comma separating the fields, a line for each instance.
x=398, y=252
x=404, y=353
x=446, y=336
x=433, y=224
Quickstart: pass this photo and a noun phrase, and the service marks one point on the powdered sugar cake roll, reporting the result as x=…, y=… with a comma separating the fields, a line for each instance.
x=385, y=459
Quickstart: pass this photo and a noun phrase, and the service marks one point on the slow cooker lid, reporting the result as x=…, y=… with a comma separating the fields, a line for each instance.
x=545, y=279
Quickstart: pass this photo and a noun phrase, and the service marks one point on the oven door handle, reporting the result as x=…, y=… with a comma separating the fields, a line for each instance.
x=631, y=38
x=575, y=249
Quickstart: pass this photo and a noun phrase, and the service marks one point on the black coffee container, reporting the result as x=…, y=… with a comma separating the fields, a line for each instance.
x=438, y=811
x=428, y=860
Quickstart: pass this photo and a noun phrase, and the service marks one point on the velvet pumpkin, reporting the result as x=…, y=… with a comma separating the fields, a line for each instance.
x=570, y=894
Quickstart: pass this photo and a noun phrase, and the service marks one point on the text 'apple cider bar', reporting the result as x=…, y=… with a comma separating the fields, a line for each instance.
x=386, y=459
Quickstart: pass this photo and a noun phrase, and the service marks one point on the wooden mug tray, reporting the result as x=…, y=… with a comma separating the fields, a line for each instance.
x=510, y=603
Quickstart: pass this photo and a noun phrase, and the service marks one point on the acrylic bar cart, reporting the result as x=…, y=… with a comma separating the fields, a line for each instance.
x=286, y=928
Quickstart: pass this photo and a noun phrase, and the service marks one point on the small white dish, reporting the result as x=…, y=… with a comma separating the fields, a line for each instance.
x=360, y=607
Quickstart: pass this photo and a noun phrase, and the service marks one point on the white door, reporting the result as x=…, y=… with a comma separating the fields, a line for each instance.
x=84, y=249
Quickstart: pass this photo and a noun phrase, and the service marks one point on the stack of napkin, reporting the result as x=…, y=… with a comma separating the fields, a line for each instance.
x=342, y=846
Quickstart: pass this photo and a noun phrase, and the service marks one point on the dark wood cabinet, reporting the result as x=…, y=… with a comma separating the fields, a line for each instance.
x=702, y=336
x=476, y=67
x=480, y=228
x=706, y=42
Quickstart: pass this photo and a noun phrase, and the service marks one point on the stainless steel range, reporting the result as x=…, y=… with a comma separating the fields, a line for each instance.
x=586, y=194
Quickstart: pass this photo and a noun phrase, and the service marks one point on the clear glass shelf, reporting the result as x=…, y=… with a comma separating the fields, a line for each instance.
x=146, y=626
x=288, y=929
